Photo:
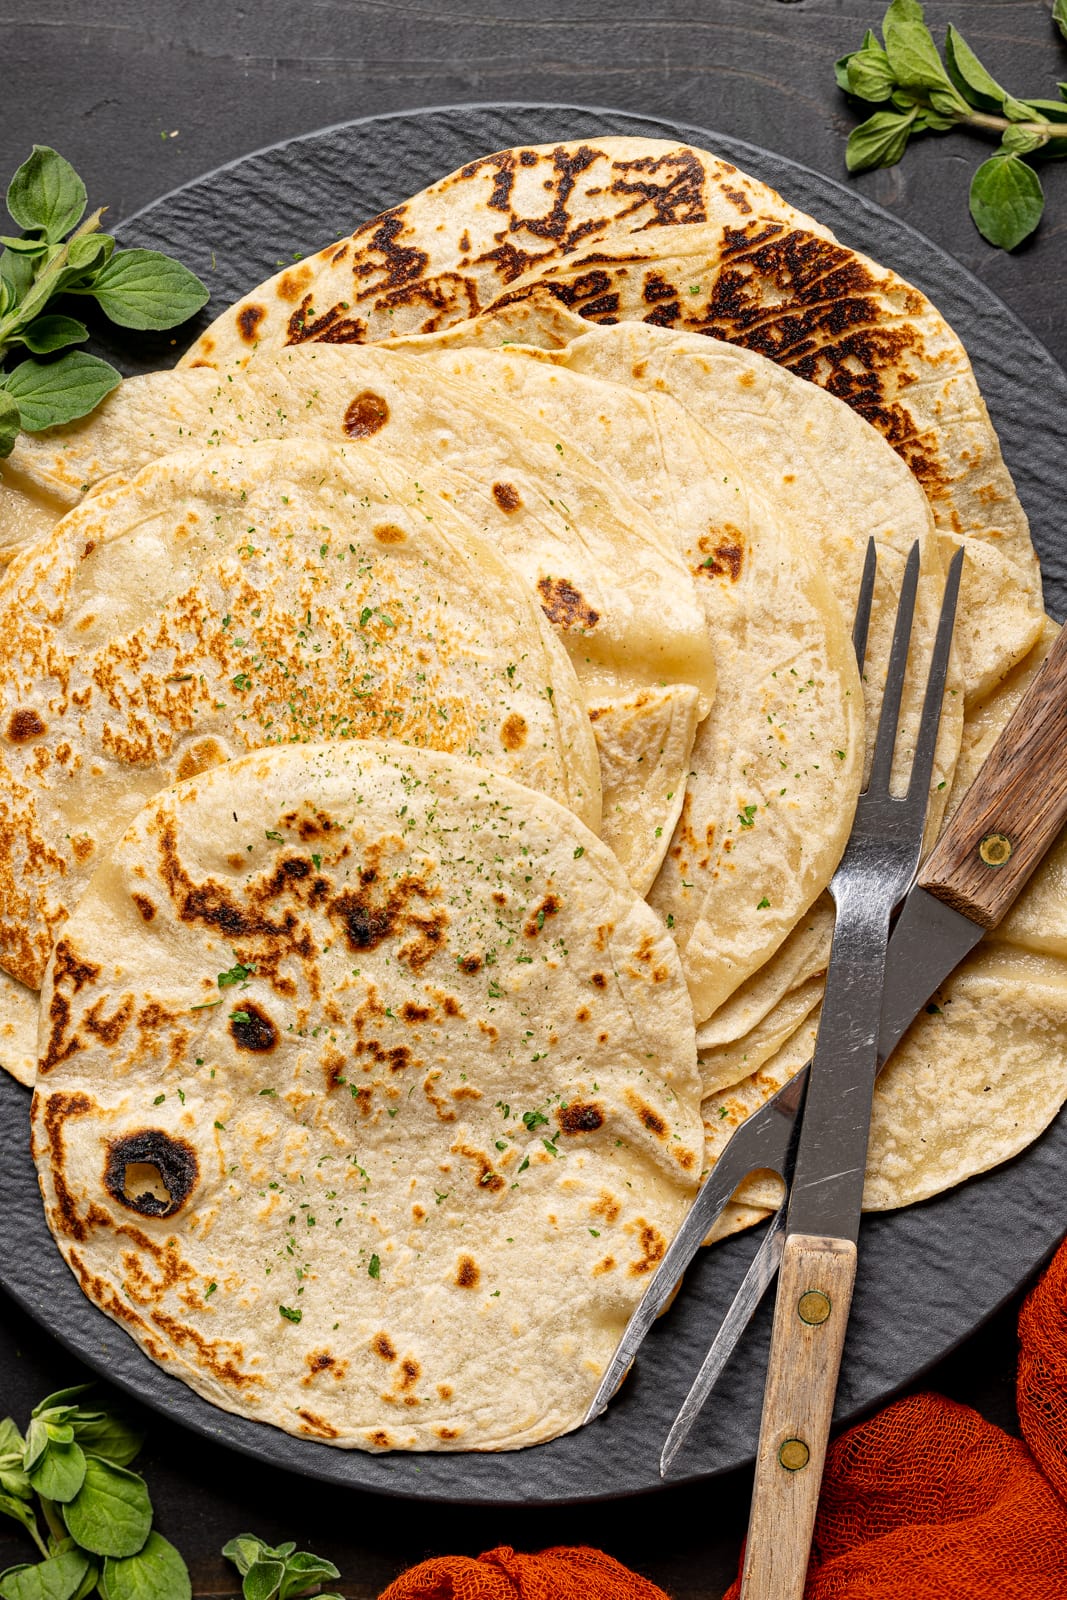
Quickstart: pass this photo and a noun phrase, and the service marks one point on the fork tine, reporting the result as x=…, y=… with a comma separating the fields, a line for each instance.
x=882, y=765
x=926, y=743
x=863, y=604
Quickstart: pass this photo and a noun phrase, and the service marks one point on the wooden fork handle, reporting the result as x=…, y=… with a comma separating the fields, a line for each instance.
x=810, y=1317
x=1014, y=809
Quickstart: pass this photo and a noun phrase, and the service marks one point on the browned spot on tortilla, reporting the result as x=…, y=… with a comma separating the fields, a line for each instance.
x=598, y=980
x=653, y=1248
x=550, y=905
x=513, y=733
x=578, y=1118
x=722, y=552
x=747, y=380
x=379, y=910
x=24, y=725
x=174, y=1160
x=59, y=1108
x=607, y=1206
x=200, y=757
x=389, y=533
x=607, y=1265
x=252, y=1029
x=507, y=496
x=209, y=1355
x=320, y=1361
x=448, y=1433
x=144, y=905
x=468, y=1273
x=487, y=1177
x=562, y=603
x=292, y=283
x=445, y=1391
x=380, y=1438
x=415, y=1013
x=317, y=1426
x=657, y=288
x=639, y=369
x=582, y=1014
x=83, y=847
x=411, y=1372
x=248, y=321
x=365, y=415
x=646, y=1115
x=109, y=1030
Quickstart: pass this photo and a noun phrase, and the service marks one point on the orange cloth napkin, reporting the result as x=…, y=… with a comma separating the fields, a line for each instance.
x=574, y=1573
x=926, y=1501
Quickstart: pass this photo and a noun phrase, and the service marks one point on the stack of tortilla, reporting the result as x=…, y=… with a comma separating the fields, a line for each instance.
x=429, y=726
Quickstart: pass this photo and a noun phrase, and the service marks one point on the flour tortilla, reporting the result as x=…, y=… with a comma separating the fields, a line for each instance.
x=609, y=576
x=643, y=230
x=552, y=510
x=419, y=1165
x=755, y=841
x=977, y=1078
x=223, y=602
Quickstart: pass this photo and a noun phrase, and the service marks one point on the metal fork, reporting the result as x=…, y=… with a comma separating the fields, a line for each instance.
x=875, y=872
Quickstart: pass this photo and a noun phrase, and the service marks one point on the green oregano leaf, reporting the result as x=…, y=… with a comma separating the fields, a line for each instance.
x=9, y=425
x=144, y=289
x=1006, y=200
x=110, y=1435
x=880, y=141
x=870, y=76
x=111, y=1515
x=19, y=1511
x=59, y=391
x=47, y=334
x=303, y=1571
x=57, y=1578
x=1021, y=141
x=59, y=1471
x=968, y=74
x=156, y=1572
x=911, y=49
x=46, y=193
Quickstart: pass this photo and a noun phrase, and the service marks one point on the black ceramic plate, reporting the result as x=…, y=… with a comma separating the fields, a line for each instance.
x=929, y=1275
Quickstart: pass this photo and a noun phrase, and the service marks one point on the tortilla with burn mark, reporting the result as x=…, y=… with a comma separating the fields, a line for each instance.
x=401, y=1181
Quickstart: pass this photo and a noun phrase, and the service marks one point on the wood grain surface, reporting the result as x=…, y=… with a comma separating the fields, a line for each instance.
x=143, y=96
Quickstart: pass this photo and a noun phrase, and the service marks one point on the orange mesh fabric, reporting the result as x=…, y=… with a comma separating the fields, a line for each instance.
x=1041, y=1394
x=559, y=1574
x=928, y=1500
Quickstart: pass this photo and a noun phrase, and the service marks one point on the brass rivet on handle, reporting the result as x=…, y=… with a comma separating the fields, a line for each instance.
x=813, y=1307
x=794, y=1455
x=995, y=849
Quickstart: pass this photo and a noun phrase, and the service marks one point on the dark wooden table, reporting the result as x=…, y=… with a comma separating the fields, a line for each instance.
x=142, y=96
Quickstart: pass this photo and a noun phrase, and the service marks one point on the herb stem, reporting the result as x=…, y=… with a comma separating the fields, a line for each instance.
x=38, y=1541
x=56, y=1525
x=986, y=119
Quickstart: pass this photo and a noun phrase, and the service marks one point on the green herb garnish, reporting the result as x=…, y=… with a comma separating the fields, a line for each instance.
x=238, y=973
x=920, y=92
x=277, y=1572
x=97, y=1514
x=135, y=288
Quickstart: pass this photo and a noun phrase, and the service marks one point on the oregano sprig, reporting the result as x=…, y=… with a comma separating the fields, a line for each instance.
x=69, y=1485
x=57, y=253
x=904, y=73
x=277, y=1572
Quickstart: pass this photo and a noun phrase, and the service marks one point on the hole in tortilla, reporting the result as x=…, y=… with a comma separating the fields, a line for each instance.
x=151, y=1172
x=144, y=1183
